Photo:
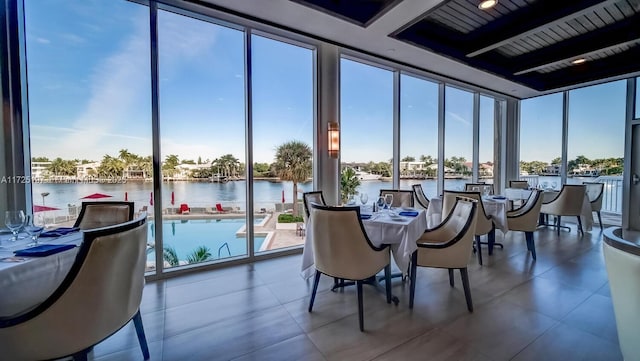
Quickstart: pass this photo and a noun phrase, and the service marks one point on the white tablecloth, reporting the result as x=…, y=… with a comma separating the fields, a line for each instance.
x=401, y=235
x=27, y=283
x=495, y=208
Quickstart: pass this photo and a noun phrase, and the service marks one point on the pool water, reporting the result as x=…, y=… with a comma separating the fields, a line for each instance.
x=219, y=235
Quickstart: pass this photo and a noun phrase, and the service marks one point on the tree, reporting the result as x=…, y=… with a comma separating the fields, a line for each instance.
x=200, y=254
x=293, y=163
x=40, y=159
x=408, y=159
x=170, y=164
x=110, y=167
x=60, y=166
x=349, y=183
x=557, y=160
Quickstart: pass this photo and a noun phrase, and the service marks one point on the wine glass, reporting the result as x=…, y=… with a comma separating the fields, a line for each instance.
x=34, y=226
x=364, y=197
x=388, y=200
x=14, y=220
x=554, y=185
x=380, y=203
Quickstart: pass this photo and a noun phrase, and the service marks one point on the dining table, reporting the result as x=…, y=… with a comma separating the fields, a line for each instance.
x=27, y=281
x=495, y=206
x=385, y=227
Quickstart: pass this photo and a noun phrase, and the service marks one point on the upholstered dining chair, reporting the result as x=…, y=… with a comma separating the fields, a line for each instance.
x=401, y=198
x=341, y=249
x=595, y=192
x=568, y=202
x=420, y=197
x=519, y=184
x=482, y=187
x=103, y=213
x=309, y=197
x=100, y=294
x=448, y=246
x=525, y=219
x=622, y=260
x=484, y=225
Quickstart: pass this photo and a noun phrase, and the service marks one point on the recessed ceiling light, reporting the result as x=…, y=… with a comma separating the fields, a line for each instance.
x=487, y=4
x=578, y=61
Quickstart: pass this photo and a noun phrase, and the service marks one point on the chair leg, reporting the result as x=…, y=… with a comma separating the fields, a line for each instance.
x=530, y=244
x=580, y=225
x=479, y=250
x=599, y=219
x=360, y=311
x=142, y=339
x=82, y=355
x=414, y=266
x=315, y=288
x=467, y=291
x=558, y=218
x=451, y=277
x=387, y=281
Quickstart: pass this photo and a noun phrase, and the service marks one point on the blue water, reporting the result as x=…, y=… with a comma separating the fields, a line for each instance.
x=187, y=235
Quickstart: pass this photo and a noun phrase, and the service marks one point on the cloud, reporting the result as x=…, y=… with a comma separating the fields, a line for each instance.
x=43, y=41
x=458, y=118
x=73, y=38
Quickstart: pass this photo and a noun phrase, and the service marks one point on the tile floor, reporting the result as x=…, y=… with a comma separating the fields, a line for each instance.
x=556, y=308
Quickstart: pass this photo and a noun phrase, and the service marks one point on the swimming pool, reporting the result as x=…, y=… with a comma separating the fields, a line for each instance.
x=221, y=236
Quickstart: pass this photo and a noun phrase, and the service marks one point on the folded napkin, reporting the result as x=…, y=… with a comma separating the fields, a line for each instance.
x=409, y=213
x=43, y=250
x=59, y=232
x=365, y=216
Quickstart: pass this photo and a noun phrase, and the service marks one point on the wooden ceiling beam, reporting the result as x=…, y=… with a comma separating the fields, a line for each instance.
x=529, y=20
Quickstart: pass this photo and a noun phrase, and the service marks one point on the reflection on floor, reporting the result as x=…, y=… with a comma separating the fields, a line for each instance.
x=557, y=308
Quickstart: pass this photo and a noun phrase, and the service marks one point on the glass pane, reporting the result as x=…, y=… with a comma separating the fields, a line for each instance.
x=637, y=98
x=366, y=127
x=595, y=152
x=202, y=123
x=418, y=134
x=487, y=139
x=541, y=141
x=89, y=105
x=458, y=138
x=282, y=140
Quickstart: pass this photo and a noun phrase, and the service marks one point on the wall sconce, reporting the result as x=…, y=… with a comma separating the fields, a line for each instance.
x=334, y=140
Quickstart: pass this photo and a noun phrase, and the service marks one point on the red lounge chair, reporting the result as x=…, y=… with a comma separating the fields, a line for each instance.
x=184, y=209
x=219, y=208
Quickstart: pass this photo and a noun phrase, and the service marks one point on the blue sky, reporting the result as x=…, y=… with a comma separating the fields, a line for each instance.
x=89, y=95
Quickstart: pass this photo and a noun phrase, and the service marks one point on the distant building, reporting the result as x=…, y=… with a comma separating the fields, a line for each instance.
x=39, y=169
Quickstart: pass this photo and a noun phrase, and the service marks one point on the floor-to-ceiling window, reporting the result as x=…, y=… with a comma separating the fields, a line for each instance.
x=541, y=140
x=458, y=138
x=366, y=126
x=418, y=133
x=595, y=148
x=283, y=119
x=89, y=105
x=637, y=107
x=202, y=128
x=486, y=139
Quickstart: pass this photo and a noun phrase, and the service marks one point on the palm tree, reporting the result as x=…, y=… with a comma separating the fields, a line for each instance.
x=199, y=254
x=349, y=183
x=170, y=256
x=293, y=163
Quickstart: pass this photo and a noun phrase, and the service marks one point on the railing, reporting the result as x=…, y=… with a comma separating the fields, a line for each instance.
x=612, y=197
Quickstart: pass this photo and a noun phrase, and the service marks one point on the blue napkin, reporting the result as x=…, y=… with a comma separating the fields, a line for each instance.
x=43, y=250
x=409, y=213
x=365, y=216
x=59, y=232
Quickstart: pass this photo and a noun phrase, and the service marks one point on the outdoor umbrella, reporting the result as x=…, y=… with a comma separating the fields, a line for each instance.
x=151, y=199
x=96, y=196
x=126, y=196
x=37, y=208
x=283, y=196
x=173, y=198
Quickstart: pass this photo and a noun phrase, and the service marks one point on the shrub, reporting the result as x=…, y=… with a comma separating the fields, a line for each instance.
x=289, y=218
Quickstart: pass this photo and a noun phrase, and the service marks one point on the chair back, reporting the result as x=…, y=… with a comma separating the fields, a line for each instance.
x=622, y=259
x=341, y=247
x=455, y=237
x=567, y=203
x=519, y=184
x=420, y=197
x=484, y=223
x=482, y=187
x=595, y=191
x=401, y=198
x=526, y=217
x=99, y=295
x=312, y=197
x=103, y=214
